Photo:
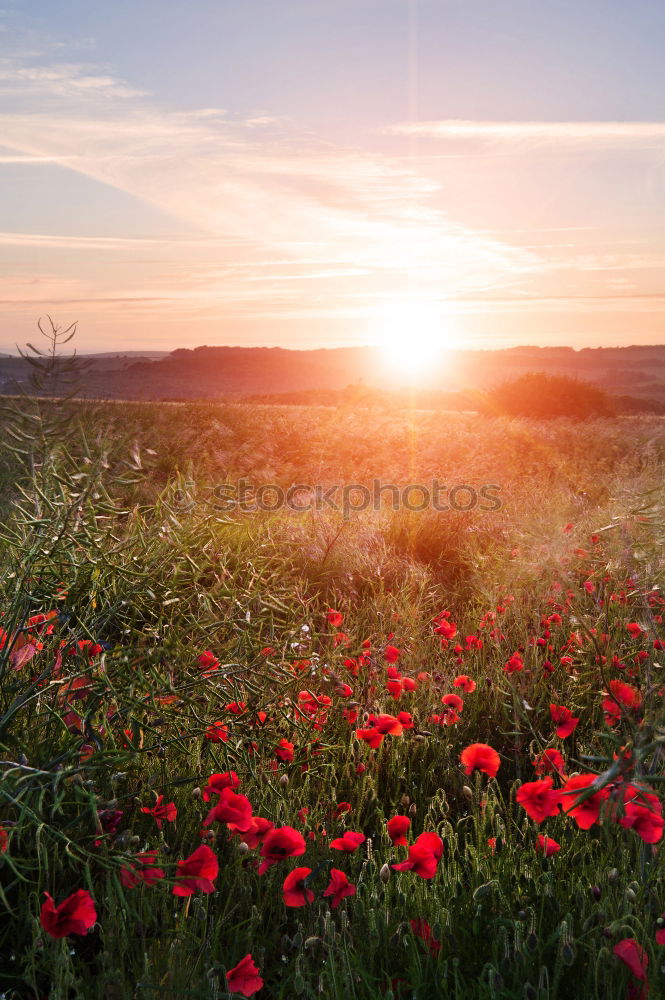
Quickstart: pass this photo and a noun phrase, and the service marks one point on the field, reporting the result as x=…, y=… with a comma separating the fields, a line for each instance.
x=198, y=660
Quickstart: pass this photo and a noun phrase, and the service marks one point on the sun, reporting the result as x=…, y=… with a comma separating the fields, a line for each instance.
x=412, y=336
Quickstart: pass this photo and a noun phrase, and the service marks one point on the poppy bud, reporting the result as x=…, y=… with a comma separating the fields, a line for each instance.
x=196, y=793
x=384, y=874
x=595, y=892
x=284, y=780
x=413, y=809
x=243, y=848
x=613, y=876
x=405, y=800
x=630, y=895
x=468, y=792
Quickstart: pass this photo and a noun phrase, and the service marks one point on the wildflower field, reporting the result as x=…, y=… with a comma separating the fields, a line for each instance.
x=373, y=753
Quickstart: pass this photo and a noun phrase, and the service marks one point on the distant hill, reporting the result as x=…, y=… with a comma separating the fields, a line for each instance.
x=272, y=372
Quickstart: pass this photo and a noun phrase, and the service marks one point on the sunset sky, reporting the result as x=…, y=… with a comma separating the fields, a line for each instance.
x=310, y=173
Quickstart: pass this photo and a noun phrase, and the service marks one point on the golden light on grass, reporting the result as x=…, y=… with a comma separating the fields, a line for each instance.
x=412, y=336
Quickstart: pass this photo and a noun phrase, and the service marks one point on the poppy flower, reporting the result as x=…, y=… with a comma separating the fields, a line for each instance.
x=335, y=618
x=538, y=799
x=294, y=890
x=281, y=842
x=635, y=629
x=218, y=782
x=623, y=699
x=563, y=719
x=422, y=929
x=466, y=683
x=4, y=840
x=514, y=665
x=217, y=733
x=161, y=813
x=580, y=801
x=208, y=662
x=391, y=654
x=405, y=720
x=643, y=814
x=256, y=833
x=339, y=887
x=145, y=872
x=550, y=760
x=480, y=757
x=453, y=701
x=244, y=978
x=341, y=808
x=547, y=845
x=424, y=856
x=633, y=956
x=348, y=842
x=198, y=871
x=284, y=751
x=231, y=808
x=75, y=915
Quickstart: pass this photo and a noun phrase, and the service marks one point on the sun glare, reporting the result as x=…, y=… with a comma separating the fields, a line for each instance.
x=412, y=337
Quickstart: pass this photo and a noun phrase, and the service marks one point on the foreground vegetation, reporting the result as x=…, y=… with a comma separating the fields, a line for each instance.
x=338, y=672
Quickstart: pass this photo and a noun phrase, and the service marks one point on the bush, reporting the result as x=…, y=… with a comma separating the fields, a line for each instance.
x=538, y=395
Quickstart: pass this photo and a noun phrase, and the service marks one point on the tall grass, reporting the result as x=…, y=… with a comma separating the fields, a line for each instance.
x=114, y=530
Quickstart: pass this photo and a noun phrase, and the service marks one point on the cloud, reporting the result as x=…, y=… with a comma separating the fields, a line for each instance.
x=599, y=132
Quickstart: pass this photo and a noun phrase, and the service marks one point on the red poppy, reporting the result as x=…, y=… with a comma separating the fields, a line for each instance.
x=257, y=832
x=75, y=915
x=244, y=978
x=635, y=629
x=547, y=845
x=145, y=873
x=233, y=809
x=208, y=662
x=161, y=813
x=580, y=801
x=294, y=890
x=453, y=701
x=348, y=842
x=464, y=682
x=218, y=782
x=422, y=929
x=424, y=856
x=563, y=719
x=643, y=814
x=339, y=887
x=217, y=733
x=514, y=665
x=633, y=956
x=405, y=720
x=198, y=871
x=481, y=757
x=623, y=699
x=4, y=840
x=538, y=799
x=281, y=842
x=391, y=654
x=550, y=760
x=341, y=808
x=284, y=751
x=335, y=618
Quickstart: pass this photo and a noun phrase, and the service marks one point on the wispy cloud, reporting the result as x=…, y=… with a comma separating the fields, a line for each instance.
x=600, y=132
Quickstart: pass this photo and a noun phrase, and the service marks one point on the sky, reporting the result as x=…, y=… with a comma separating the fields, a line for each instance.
x=323, y=173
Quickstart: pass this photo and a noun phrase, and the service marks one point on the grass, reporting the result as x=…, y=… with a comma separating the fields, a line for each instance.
x=111, y=523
